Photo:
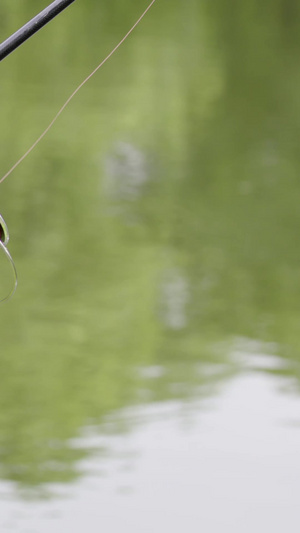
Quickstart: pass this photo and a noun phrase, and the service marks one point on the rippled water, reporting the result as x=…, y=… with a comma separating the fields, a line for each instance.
x=149, y=361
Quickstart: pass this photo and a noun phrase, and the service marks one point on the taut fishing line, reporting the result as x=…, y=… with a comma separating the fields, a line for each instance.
x=73, y=94
x=63, y=107
x=3, y=227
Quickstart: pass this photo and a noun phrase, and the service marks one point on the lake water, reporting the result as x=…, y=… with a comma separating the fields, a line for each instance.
x=149, y=360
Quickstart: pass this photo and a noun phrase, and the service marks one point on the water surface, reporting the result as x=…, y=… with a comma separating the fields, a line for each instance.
x=155, y=232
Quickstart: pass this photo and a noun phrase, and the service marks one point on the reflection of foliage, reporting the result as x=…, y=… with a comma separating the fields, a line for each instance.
x=74, y=359
x=125, y=294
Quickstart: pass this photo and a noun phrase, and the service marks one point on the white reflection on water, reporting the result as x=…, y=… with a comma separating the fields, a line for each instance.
x=232, y=466
x=126, y=172
x=174, y=299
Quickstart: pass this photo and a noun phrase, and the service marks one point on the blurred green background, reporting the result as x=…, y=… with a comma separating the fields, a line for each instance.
x=155, y=228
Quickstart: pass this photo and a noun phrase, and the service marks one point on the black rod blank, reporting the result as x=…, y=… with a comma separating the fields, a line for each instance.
x=35, y=24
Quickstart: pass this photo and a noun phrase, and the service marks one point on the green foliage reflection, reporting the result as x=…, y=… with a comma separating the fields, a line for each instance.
x=155, y=224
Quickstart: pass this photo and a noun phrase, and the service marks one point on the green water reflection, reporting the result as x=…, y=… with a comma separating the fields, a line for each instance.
x=158, y=221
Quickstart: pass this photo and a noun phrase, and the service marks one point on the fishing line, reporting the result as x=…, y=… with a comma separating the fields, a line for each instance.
x=4, y=238
x=13, y=290
x=63, y=107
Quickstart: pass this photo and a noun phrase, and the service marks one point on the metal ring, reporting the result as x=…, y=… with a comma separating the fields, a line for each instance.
x=4, y=235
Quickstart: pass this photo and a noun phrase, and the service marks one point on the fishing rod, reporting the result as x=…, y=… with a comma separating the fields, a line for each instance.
x=34, y=25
